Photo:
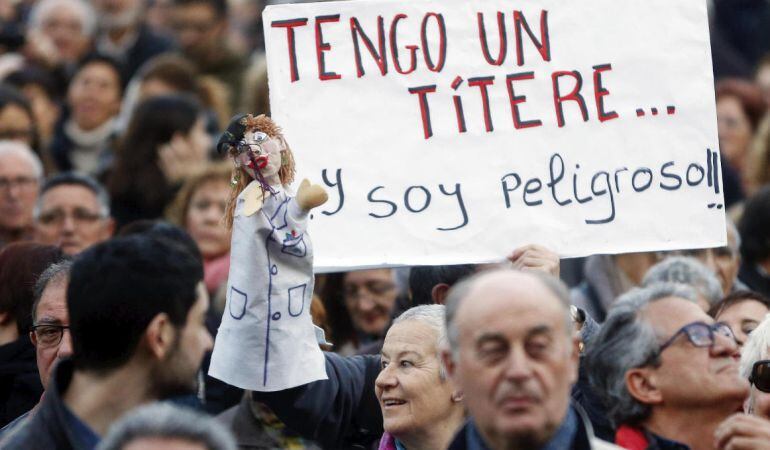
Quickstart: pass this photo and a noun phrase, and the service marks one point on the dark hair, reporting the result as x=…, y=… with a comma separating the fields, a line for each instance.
x=422, y=280
x=748, y=94
x=10, y=95
x=79, y=179
x=164, y=230
x=173, y=70
x=136, y=177
x=21, y=264
x=754, y=229
x=332, y=297
x=219, y=6
x=117, y=287
x=56, y=272
x=736, y=297
x=33, y=75
x=101, y=58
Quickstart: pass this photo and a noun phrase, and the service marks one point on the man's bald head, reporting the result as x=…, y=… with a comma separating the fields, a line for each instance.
x=503, y=282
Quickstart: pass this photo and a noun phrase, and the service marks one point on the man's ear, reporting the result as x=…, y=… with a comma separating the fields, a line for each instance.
x=642, y=385
x=159, y=336
x=439, y=293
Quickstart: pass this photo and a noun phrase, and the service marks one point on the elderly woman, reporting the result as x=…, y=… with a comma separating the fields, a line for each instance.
x=418, y=408
x=755, y=365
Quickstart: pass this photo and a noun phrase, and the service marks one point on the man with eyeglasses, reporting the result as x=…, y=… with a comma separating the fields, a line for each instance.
x=20, y=174
x=668, y=372
x=50, y=327
x=73, y=212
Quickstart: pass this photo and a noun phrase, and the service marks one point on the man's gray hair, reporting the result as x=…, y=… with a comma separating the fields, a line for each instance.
x=460, y=290
x=432, y=315
x=163, y=420
x=55, y=273
x=42, y=10
x=23, y=150
x=756, y=346
x=689, y=271
x=731, y=228
x=75, y=179
x=627, y=341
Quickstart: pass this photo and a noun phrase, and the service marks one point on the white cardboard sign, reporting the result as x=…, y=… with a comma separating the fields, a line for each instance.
x=453, y=131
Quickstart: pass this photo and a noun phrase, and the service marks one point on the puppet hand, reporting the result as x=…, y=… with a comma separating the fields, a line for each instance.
x=310, y=195
x=535, y=257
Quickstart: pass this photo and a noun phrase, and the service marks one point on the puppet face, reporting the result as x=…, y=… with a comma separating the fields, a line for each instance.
x=258, y=151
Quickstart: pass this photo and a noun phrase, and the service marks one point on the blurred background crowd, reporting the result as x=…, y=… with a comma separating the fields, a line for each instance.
x=108, y=114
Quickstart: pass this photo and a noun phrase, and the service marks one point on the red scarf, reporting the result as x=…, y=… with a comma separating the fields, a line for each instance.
x=631, y=438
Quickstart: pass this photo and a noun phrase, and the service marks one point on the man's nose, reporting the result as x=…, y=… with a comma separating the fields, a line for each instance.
x=65, y=346
x=519, y=366
x=725, y=346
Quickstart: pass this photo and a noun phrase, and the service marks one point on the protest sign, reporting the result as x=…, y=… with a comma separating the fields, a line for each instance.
x=453, y=131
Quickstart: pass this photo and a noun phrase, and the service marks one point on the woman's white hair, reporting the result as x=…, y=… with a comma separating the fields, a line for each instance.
x=756, y=346
x=43, y=9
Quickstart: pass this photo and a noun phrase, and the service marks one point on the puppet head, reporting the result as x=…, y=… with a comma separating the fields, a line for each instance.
x=259, y=152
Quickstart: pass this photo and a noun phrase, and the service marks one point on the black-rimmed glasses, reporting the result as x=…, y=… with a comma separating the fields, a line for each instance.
x=700, y=334
x=48, y=335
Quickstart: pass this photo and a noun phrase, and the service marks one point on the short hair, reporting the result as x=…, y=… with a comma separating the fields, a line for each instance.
x=23, y=150
x=44, y=7
x=20, y=265
x=117, y=287
x=422, y=280
x=731, y=228
x=689, y=271
x=753, y=227
x=432, y=315
x=76, y=179
x=101, y=58
x=459, y=291
x=55, y=273
x=735, y=298
x=163, y=420
x=163, y=230
x=756, y=346
x=33, y=76
x=626, y=341
x=219, y=6
x=11, y=95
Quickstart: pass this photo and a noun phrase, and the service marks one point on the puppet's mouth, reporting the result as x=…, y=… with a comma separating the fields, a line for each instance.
x=261, y=161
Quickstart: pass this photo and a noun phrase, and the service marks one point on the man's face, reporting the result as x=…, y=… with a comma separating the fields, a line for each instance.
x=176, y=375
x=197, y=29
x=369, y=297
x=118, y=14
x=51, y=310
x=516, y=359
x=690, y=376
x=18, y=191
x=71, y=218
x=94, y=95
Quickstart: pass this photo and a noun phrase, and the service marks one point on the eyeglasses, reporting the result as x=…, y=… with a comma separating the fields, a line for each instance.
x=760, y=375
x=80, y=216
x=48, y=335
x=243, y=146
x=23, y=183
x=701, y=334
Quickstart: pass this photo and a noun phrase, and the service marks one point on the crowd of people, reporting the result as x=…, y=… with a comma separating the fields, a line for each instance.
x=114, y=262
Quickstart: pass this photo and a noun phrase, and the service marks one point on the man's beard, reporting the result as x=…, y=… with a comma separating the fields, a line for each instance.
x=173, y=377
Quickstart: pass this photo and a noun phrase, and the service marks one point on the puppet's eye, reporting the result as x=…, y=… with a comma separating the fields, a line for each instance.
x=260, y=137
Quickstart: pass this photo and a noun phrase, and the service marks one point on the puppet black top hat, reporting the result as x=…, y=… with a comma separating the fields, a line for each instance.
x=233, y=134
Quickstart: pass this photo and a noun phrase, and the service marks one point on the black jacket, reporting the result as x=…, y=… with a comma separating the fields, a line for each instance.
x=339, y=413
x=48, y=428
x=20, y=387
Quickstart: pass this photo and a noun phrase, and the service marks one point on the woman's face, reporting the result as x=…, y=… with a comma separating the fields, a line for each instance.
x=94, y=95
x=204, y=218
x=412, y=395
x=734, y=130
x=266, y=154
x=369, y=297
x=15, y=124
x=743, y=317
